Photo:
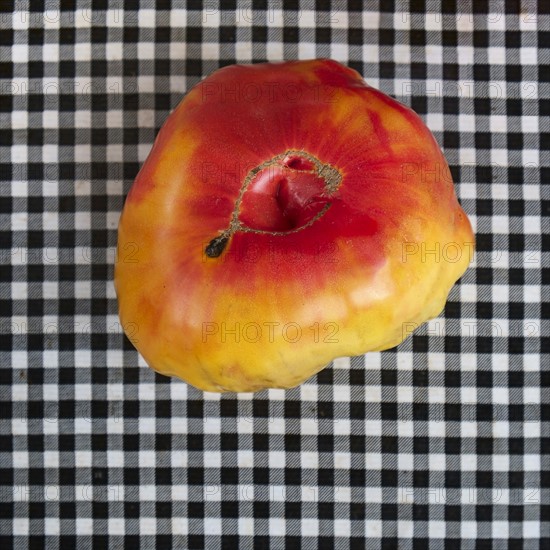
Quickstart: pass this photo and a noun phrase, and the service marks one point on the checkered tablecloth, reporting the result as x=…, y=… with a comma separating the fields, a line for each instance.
x=442, y=442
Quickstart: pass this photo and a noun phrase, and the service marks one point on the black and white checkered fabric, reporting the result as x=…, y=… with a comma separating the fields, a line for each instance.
x=442, y=442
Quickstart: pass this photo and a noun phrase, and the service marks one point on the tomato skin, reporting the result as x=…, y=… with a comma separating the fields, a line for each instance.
x=387, y=242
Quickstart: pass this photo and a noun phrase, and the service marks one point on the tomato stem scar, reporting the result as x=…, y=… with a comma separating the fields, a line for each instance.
x=294, y=161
